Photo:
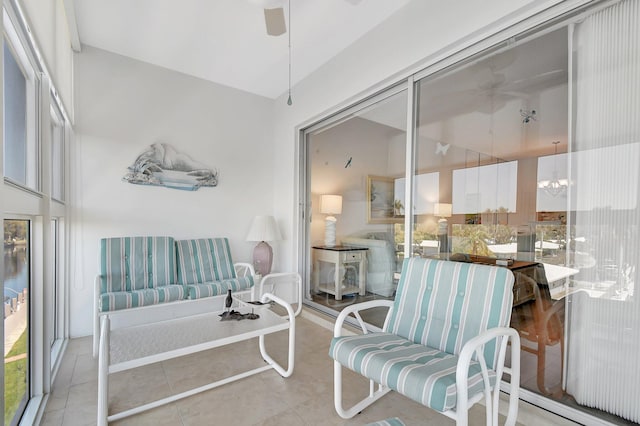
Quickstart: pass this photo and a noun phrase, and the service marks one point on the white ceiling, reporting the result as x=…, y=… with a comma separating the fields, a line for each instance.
x=225, y=41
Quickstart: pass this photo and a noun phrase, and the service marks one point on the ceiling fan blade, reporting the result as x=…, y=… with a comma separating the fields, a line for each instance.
x=274, y=20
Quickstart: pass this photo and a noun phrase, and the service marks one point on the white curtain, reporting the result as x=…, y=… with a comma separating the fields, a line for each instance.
x=603, y=330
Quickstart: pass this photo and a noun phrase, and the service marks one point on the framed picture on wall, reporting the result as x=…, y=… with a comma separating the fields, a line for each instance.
x=381, y=206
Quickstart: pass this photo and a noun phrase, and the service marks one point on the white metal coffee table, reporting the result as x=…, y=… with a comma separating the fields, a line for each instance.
x=130, y=347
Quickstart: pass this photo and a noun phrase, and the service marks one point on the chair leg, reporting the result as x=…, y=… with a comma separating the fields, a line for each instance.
x=542, y=363
x=374, y=395
x=96, y=334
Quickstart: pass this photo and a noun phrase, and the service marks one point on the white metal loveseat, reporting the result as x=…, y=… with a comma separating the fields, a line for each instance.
x=153, y=278
x=443, y=343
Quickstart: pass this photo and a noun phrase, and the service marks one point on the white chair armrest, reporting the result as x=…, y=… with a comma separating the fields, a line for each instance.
x=355, y=310
x=475, y=345
x=244, y=269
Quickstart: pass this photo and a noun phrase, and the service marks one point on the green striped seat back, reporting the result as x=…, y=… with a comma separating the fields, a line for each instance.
x=136, y=263
x=204, y=260
x=443, y=304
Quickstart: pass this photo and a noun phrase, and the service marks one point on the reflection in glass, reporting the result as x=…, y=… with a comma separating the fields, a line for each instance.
x=362, y=159
x=477, y=129
x=15, y=118
x=490, y=188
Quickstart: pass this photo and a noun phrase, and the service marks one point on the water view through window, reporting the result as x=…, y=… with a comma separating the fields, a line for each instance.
x=16, y=318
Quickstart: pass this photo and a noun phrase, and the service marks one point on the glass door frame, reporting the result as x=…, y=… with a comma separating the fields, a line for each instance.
x=304, y=190
x=562, y=14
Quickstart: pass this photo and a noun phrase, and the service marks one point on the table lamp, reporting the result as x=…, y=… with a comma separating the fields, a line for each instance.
x=442, y=210
x=330, y=205
x=263, y=229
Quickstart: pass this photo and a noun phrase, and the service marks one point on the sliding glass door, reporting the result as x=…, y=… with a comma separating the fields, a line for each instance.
x=483, y=129
x=353, y=163
x=526, y=152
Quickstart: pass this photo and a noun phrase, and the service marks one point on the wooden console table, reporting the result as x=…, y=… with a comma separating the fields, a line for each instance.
x=521, y=291
x=341, y=257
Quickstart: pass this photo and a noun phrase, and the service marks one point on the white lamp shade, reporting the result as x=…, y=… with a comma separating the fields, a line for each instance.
x=442, y=210
x=331, y=204
x=263, y=228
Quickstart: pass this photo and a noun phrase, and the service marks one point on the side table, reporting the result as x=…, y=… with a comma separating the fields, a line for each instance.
x=341, y=257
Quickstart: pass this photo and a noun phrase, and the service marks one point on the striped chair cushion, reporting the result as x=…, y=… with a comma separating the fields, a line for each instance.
x=204, y=261
x=424, y=374
x=197, y=291
x=116, y=300
x=443, y=304
x=136, y=263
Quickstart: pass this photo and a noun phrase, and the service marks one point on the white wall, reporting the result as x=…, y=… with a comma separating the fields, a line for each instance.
x=122, y=107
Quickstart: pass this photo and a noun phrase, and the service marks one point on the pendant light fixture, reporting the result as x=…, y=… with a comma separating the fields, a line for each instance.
x=555, y=186
x=289, y=101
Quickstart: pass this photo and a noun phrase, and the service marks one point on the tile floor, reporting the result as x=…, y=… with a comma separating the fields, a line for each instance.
x=305, y=398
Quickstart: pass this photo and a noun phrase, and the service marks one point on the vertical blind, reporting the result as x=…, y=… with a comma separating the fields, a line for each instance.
x=604, y=315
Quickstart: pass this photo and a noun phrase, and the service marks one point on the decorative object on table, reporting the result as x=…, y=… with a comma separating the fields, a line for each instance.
x=330, y=205
x=162, y=165
x=229, y=300
x=263, y=229
x=237, y=316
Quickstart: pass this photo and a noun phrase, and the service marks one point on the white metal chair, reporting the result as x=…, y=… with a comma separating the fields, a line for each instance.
x=443, y=343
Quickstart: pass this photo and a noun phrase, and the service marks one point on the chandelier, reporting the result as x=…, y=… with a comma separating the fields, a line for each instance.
x=555, y=186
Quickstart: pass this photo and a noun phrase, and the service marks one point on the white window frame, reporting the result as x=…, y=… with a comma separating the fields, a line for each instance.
x=35, y=203
x=15, y=44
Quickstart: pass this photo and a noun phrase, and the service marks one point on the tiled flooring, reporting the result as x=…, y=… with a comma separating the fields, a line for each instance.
x=305, y=398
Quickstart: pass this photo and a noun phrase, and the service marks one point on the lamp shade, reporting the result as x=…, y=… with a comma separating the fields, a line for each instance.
x=331, y=204
x=442, y=210
x=263, y=228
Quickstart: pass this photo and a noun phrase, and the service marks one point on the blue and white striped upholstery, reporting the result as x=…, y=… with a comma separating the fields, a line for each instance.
x=204, y=260
x=132, y=299
x=137, y=271
x=206, y=268
x=443, y=304
x=439, y=306
x=197, y=291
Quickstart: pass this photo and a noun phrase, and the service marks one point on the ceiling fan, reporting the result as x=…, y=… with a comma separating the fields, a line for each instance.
x=274, y=15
